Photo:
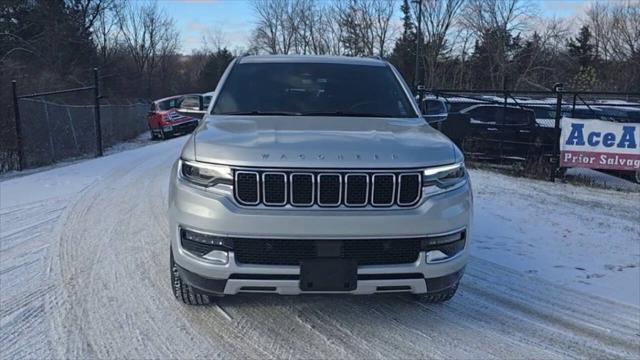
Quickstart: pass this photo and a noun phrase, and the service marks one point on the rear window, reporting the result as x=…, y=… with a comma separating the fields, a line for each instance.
x=313, y=89
x=168, y=104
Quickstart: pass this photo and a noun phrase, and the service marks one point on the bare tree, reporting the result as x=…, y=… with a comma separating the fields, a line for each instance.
x=541, y=54
x=439, y=17
x=273, y=32
x=149, y=36
x=355, y=27
x=383, y=29
x=88, y=12
x=105, y=31
x=214, y=39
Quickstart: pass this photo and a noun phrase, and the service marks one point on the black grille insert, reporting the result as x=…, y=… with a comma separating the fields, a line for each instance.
x=246, y=188
x=291, y=252
x=274, y=188
x=329, y=189
x=302, y=189
x=409, y=189
x=382, y=191
x=273, y=252
x=356, y=189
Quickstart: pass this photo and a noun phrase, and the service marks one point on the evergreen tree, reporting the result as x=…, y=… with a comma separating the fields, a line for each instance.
x=214, y=68
x=352, y=36
x=403, y=55
x=582, y=49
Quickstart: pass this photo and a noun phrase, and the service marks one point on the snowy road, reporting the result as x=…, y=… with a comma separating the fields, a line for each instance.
x=84, y=273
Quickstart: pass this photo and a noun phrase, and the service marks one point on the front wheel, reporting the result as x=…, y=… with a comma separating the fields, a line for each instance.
x=184, y=292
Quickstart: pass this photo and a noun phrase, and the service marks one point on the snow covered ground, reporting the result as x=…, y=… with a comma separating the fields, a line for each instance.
x=555, y=273
x=581, y=237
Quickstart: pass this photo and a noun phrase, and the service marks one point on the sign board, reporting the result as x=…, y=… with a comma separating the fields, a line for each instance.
x=599, y=144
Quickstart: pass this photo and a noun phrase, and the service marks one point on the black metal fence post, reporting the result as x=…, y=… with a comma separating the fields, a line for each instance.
x=555, y=161
x=16, y=111
x=416, y=76
x=96, y=93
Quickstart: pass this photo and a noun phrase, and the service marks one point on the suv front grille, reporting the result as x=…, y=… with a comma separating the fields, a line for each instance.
x=291, y=252
x=327, y=189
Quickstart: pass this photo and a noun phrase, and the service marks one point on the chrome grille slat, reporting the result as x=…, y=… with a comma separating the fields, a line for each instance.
x=330, y=189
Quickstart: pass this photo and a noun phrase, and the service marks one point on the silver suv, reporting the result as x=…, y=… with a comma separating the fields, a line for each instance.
x=315, y=174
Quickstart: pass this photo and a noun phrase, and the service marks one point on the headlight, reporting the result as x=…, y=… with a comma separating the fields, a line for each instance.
x=445, y=176
x=205, y=174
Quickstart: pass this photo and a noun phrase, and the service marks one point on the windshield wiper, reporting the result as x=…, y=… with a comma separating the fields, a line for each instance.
x=259, y=112
x=343, y=113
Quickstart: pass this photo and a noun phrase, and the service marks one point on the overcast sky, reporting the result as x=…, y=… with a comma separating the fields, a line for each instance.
x=234, y=18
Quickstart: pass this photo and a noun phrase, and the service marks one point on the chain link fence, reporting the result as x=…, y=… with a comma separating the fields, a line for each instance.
x=53, y=132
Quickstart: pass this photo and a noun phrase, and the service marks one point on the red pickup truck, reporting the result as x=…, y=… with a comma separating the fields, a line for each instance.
x=175, y=115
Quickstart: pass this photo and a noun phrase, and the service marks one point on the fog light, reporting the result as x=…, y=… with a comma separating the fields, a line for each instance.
x=215, y=241
x=218, y=256
x=440, y=248
x=210, y=247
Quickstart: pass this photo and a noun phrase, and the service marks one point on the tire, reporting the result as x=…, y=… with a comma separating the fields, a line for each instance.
x=153, y=134
x=439, y=296
x=183, y=292
x=162, y=136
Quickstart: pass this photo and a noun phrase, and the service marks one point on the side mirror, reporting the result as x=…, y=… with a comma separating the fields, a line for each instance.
x=434, y=110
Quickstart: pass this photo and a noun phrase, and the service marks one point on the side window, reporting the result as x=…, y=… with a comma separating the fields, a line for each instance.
x=486, y=114
x=477, y=114
x=517, y=117
x=190, y=102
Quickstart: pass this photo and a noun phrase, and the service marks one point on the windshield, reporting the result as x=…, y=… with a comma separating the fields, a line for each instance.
x=313, y=89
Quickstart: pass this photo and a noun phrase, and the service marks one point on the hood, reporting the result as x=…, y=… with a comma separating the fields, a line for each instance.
x=319, y=142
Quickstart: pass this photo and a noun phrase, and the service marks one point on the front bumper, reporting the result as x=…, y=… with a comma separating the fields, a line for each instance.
x=183, y=127
x=214, y=211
